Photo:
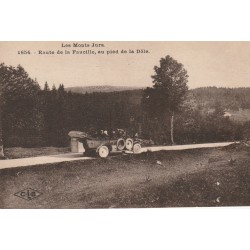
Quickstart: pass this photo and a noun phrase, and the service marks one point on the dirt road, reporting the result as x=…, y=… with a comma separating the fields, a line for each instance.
x=32, y=161
x=184, y=147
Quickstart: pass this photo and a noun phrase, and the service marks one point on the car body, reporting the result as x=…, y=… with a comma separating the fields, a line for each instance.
x=104, y=146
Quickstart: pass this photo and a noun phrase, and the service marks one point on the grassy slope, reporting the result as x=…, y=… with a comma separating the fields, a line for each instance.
x=187, y=178
x=18, y=152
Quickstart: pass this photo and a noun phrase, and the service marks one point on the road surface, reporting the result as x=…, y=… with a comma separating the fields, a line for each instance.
x=32, y=161
x=184, y=147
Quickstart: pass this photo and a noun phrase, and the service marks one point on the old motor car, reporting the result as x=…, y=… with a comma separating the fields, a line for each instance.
x=103, y=145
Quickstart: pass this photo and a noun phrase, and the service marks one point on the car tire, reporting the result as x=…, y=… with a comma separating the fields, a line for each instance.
x=129, y=144
x=103, y=152
x=137, y=148
x=121, y=144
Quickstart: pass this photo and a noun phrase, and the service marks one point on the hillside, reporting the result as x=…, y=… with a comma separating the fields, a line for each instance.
x=191, y=178
x=207, y=98
x=104, y=88
x=227, y=98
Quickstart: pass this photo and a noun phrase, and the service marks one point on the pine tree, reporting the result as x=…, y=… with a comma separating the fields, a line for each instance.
x=61, y=88
x=54, y=88
x=46, y=87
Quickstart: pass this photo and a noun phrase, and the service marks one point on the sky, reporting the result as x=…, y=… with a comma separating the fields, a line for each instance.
x=221, y=64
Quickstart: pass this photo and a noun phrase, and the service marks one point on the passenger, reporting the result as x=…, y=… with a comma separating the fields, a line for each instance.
x=113, y=134
x=120, y=132
x=100, y=134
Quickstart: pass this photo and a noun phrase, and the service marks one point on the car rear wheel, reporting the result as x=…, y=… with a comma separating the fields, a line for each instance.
x=103, y=151
x=137, y=148
x=121, y=144
x=129, y=144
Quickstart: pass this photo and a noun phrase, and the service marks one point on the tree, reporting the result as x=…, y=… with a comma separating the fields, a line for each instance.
x=46, y=87
x=18, y=104
x=168, y=92
x=54, y=88
x=1, y=133
x=1, y=106
x=61, y=88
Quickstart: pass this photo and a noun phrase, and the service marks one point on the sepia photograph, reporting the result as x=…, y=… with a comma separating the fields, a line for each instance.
x=108, y=125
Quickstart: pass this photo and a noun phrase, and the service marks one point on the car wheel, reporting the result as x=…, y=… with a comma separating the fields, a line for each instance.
x=129, y=144
x=137, y=148
x=121, y=144
x=103, y=151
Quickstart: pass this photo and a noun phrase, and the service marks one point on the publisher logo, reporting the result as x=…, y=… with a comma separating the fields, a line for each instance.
x=28, y=194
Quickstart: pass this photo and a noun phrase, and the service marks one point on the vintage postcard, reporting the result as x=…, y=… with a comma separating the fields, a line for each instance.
x=91, y=124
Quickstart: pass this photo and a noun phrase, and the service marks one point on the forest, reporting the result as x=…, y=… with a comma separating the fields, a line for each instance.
x=32, y=115
x=227, y=98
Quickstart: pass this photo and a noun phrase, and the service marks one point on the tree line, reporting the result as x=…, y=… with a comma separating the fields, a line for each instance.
x=35, y=116
x=227, y=98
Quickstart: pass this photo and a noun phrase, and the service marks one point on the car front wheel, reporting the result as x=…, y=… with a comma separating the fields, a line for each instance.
x=103, y=151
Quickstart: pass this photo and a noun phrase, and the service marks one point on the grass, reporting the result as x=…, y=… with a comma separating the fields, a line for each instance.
x=18, y=152
x=200, y=177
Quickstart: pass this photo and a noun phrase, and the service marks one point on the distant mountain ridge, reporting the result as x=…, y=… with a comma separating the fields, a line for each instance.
x=101, y=88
